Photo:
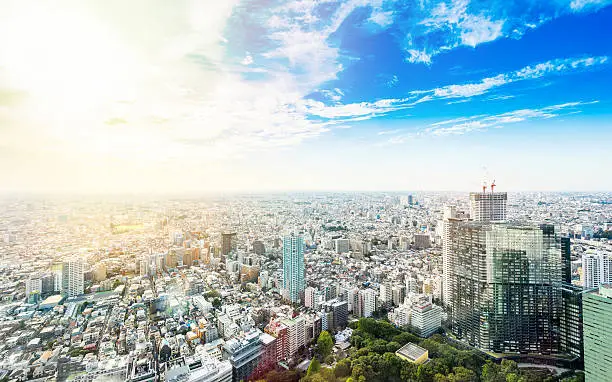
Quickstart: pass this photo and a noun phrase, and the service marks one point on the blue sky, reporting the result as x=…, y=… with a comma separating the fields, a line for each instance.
x=305, y=95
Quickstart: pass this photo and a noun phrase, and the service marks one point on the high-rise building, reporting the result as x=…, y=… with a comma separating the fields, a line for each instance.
x=488, y=207
x=596, y=269
x=504, y=286
x=293, y=267
x=368, y=301
x=450, y=215
x=570, y=333
x=73, y=280
x=228, y=243
x=597, y=306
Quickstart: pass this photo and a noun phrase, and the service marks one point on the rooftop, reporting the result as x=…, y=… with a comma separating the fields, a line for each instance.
x=411, y=352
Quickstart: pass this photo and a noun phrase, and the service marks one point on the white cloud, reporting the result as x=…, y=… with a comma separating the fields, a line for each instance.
x=384, y=19
x=579, y=5
x=461, y=126
x=418, y=56
x=476, y=30
x=473, y=89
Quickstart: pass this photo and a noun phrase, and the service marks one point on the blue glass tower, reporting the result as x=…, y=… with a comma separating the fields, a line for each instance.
x=293, y=267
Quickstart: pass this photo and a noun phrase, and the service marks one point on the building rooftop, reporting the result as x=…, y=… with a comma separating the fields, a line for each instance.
x=411, y=352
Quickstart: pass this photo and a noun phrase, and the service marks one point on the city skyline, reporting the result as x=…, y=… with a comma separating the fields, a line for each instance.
x=307, y=95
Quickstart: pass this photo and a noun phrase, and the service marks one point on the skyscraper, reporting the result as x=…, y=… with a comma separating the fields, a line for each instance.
x=504, y=294
x=228, y=243
x=598, y=334
x=488, y=207
x=293, y=267
x=73, y=280
x=450, y=214
x=596, y=269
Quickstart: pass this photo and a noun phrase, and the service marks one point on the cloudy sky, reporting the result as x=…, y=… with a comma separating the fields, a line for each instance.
x=252, y=95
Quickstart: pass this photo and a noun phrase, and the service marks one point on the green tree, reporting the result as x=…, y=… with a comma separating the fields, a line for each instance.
x=343, y=368
x=325, y=343
x=461, y=374
x=216, y=303
x=314, y=367
x=393, y=346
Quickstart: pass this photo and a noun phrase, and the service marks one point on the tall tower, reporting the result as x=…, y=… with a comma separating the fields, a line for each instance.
x=488, y=206
x=504, y=294
x=293, y=267
x=73, y=279
x=597, y=269
x=450, y=214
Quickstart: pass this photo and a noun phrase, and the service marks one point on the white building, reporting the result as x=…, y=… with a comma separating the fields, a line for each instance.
x=488, y=207
x=73, y=279
x=596, y=269
x=426, y=318
x=369, y=299
x=297, y=333
x=33, y=284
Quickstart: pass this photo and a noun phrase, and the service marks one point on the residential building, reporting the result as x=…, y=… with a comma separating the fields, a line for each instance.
x=293, y=268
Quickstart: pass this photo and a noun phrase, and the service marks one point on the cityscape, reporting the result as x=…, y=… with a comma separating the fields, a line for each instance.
x=305, y=191
x=243, y=287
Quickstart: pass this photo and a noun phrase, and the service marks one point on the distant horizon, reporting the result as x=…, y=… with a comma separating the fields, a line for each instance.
x=281, y=192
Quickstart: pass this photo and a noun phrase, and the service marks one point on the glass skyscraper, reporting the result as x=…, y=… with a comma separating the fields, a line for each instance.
x=504, y=294
x=597, y=310
x=293, y=268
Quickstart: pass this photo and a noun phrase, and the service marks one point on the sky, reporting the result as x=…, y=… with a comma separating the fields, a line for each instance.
x=339, y=95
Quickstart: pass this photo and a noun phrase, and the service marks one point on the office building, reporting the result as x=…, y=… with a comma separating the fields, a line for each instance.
x=488, y=206
x=596, y=269
x=571, y=325
x=293, y=268
x=425, y=318
x=228, y=243
x=597, y=307
x=504, y=286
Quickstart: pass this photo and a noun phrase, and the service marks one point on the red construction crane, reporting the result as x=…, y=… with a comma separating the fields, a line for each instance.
x=492, y=186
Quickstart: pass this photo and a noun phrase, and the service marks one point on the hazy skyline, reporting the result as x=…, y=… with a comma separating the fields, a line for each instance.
x=305, y=95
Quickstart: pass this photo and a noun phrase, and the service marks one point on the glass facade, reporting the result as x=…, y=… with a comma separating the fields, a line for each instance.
x=293, y=267
x=505, y=295
x=597, y=305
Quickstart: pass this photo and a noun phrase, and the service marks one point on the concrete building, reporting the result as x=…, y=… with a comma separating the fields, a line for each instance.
x=488, y=207
x=73, y=280
x=596, y=269
x=426, y=318
x=244, y=353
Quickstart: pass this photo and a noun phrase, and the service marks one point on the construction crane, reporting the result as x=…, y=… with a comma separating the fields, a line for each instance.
x=493, y=186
